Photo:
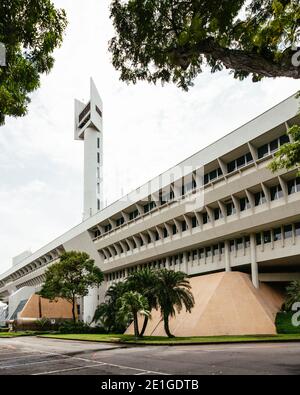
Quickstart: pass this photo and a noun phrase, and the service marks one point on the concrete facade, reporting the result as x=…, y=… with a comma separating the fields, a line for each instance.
x=221, y=210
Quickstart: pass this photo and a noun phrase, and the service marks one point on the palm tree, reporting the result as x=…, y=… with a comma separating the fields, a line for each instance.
x=107, y=313
x=130, y=305
x=173, y=293
x=144, y=281
x=293, y=295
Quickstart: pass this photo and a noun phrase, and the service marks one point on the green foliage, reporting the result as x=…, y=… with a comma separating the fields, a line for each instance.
x=107, y=313
x=143, y=291
x=71, y=277
x=284, y=323
x=79, y=327
x=30, y=30
x=173, y=292
x=292, y=295
x=144, y=281
x=170, y=41
x=288, y=156
x=131, y=304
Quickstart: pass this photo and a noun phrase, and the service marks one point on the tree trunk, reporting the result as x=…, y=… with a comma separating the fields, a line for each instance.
x=166, y=325
x=239, y=60
x=146, y=319
x=136, y=325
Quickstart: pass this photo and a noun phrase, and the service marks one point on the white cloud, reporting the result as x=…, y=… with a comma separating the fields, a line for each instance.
x=147, y=130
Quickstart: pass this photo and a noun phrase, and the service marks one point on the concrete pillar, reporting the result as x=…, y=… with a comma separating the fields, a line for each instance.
x=254, y=265
x=90, y=303
x=185, y=263
x=227, y=256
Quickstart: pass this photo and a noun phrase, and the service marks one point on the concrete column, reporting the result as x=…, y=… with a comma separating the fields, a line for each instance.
x=185, y=263
x=254, y=265
x=227, y=256
x=90, y=303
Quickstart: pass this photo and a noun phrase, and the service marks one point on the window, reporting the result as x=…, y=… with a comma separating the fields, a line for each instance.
x=165, y=231
x=276, y=192
x=120, y=221
x=98, y=157
x=97, y=233
x=206, y=218
x=273, y=146
x=189, y=187
x=240, y=162
x=166, y=197
x=195, y=254
x=244, y=204
x=277, y=234
x=232, y=245
x=247, y=242
x=213, y=175
x=218, y=214
x=230, y=209
x=98, y=142
x=294, y=186
x=107, y=228
x=297, y=229
x=174, y=229
x=288, y=231
x=263, y=151
x=260, y=198
x=208, y=252
x=98, y=173
x=201, y=253
x=134, y=214
x=149, y=207
x=194, y=222
x=98, y=205
x=258, y=239
x=216, y=250
x=222, y=248
x=284, y=139
x=183, y=226
x=267, y=237
x=98, y=188
x=239, y=244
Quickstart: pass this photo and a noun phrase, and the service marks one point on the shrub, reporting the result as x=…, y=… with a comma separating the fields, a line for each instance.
x=79, y=327
x=284, y=323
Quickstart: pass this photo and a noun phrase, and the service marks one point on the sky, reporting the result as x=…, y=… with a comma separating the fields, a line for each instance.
x=147, y=130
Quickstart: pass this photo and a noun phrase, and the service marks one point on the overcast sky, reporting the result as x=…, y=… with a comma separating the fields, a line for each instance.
x=147, y=129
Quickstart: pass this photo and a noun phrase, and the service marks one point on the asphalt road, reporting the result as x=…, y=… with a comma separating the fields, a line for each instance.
x=34, y=356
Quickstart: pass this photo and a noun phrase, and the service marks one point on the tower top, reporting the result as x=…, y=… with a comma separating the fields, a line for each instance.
x=88, y=114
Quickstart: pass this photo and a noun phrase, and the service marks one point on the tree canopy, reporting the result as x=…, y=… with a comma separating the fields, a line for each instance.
x=171, y=41
x=71, y=277
x=30, y=31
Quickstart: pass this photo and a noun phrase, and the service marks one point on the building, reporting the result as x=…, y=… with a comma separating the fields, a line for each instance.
x=221, y=210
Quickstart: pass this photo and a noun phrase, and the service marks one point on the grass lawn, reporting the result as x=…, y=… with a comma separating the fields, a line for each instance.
x=16, y=334
x=126, y=339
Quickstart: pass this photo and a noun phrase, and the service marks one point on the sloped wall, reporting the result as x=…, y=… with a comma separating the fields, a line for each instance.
x=38, y=307
x=226, y=304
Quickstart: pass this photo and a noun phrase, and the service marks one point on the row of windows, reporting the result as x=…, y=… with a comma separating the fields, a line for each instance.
x=280, y=233
x=239, y=162
x=218, y=249
x=275, y=192
x=231, y=209
x=273, y=146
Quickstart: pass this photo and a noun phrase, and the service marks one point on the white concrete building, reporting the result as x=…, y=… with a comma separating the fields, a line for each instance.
x=220, y=210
